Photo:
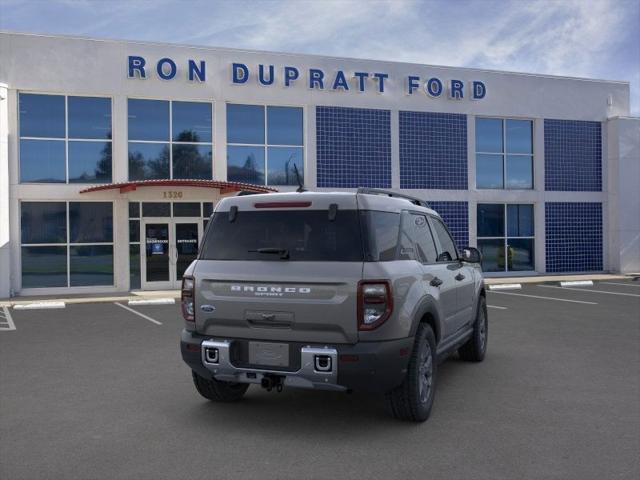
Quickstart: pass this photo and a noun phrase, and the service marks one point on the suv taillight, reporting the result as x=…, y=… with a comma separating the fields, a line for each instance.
x=375, y=303
x=187, y=298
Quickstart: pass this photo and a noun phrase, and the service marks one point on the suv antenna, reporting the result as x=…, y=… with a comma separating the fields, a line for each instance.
x=300, y=188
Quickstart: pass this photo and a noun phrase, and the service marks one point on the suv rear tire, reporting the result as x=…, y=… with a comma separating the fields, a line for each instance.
x=476, y=347
x=218, y=391
x=413, y=399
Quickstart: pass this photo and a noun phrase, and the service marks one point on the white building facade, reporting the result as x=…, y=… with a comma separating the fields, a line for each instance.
x=113, y=155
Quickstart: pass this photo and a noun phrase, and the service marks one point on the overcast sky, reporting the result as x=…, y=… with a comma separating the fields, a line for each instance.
x=583, y=38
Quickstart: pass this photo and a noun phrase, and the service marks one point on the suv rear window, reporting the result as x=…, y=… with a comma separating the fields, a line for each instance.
x=306, y=236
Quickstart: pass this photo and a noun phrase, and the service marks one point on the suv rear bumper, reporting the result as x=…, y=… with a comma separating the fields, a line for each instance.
x=365, y=366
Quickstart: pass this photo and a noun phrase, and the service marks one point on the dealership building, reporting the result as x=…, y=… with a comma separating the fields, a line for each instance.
x=113, y=155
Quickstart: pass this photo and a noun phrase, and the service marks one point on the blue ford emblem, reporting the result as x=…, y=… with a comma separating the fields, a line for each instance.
x=207, y=308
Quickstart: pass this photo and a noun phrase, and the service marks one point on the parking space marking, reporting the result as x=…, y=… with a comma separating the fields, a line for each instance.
x=592, y=290
x=39, y=305
x=496, y=306
x=545, y=298
x=6, y=322
x=138, y=313
x=622, y=284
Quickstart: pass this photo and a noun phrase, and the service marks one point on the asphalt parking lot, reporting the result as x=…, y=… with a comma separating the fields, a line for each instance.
x=99, y=391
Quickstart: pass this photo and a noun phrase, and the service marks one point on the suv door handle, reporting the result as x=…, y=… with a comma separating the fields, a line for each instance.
x=459, y=277
x=436, y=282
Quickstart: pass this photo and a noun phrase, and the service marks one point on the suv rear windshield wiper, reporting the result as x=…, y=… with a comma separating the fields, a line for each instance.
x=283, y=252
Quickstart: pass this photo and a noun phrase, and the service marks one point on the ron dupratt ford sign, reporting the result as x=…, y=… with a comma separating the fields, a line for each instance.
x=314, y=78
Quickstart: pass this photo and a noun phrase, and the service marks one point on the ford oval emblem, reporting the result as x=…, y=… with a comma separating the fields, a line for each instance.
x=207, y=308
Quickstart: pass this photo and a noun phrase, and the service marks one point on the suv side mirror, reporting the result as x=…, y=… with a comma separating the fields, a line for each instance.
x=471, y=255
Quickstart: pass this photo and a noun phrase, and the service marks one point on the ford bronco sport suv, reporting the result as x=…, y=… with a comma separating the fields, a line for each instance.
x=357, y=291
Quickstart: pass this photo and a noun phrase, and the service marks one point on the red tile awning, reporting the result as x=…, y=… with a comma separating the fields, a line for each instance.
x=224, y=187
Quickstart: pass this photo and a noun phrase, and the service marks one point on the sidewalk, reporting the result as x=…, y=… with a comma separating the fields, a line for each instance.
x=175, y=294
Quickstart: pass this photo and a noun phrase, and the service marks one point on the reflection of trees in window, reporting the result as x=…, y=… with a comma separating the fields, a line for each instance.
x=248, y=172
x=287, y=176
x=150, y=168
x=188, y=161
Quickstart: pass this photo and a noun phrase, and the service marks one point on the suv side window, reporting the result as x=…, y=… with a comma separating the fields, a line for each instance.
x=416, y=242
x=447, y=251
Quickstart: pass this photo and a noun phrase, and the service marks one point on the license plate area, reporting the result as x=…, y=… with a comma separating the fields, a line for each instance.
x=269, y=354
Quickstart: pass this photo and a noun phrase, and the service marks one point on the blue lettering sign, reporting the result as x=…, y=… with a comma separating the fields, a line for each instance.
x=290, y=74
x=433, y=87
x=340, y=81
x=316, y=77
x=196, y=72
x=136, y=64
x=161, y=70
x=380, y=77
x=362, y=77
x=261, y=79
x=455, y=90
x=240, y=73
x=412, y=84
x=479, y=90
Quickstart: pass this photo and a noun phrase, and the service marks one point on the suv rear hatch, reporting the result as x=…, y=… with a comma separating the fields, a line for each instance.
x=276, y=269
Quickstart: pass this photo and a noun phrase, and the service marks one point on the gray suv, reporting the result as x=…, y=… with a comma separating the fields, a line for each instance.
x=339, y=291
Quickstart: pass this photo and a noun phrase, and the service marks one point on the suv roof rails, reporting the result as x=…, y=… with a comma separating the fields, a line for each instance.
x=243, y=193
x=389, y=193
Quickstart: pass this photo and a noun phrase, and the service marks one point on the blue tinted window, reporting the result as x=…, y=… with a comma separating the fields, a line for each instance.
x=186, y=209
x=520, y=171
x=134, y=267
x=148, y=120
x=284, y=126
x=245, y=164
x=44, y=267
x=489, y=135
x=89, y=117
x=134, y=230
x=281, y=161
x=134, y=210
x=148, y=161
x=489, y=171
x=245, y=124
x=520, y=254
x=493, y=256
x=156, y=209
x=90, y=222
x=42, y=161
x=89, y=162
x=43, y=222
x=207, y=209
x=192, y=161
x=191, y=122
x=519, y=138
x=41, y=115
x=490, y=220
x=91, y=265
x=520, y=220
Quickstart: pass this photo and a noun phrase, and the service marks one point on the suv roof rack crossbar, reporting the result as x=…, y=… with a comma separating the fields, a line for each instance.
x=389, y=193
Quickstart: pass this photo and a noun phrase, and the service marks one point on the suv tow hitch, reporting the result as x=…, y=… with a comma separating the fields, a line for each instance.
x=269, y=382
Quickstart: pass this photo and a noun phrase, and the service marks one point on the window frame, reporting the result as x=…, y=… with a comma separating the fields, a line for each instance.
x=66, y=139
x=67, y=244
x=436, y=242
x=506, y=236
x=504, y=154
x=170, y=142
x=266, y=145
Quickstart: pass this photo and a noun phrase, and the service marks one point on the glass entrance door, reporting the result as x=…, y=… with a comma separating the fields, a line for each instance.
x=186, y=240
x=170, y=247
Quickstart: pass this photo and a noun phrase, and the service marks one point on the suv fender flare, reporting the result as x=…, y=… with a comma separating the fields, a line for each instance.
x=427, y=308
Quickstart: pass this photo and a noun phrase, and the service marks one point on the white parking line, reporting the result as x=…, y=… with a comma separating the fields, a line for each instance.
x=152, y=301
x=622, y=284
x=39, y=305
x=138, y=313
x=591, y=290
x=546, y=298
x=496, y=306
x=8, y=320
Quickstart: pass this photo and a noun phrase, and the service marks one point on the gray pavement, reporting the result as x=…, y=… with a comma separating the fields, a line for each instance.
x=96, y=391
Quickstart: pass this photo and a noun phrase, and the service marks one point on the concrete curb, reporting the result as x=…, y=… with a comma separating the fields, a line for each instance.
x=87, y=299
